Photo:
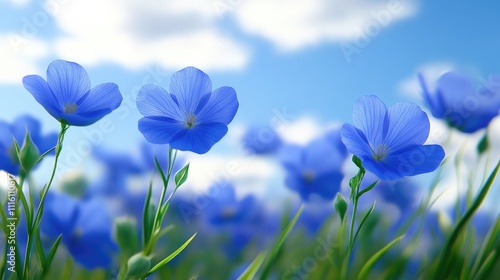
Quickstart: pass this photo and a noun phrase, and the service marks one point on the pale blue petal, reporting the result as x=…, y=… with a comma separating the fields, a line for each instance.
x=369, y=115
x=40, y=90
x=153, y=100
x=102, y=97
x=68, y=81
x=408, y=125
x=355, y=141
x=189, y=85
x=409, y=162
x=200, y=138
x=160, y=130
x=221, y=107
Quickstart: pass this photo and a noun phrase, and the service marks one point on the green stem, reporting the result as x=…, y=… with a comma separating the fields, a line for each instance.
x=34, y=225
x=354, y=198
x=172, y=155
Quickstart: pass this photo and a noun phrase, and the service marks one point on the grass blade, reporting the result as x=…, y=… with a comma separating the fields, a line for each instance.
x=443, y=266
x=366, y=268
x=252, y=269
x=171, y=256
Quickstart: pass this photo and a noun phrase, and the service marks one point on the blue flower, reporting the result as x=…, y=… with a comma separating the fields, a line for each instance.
x=315, y=168
x=390, y=142
x=239, y=219
x=68, y=97
x=462, y=105
x=85, y=227
x=8, y=158
x=189, y=118
x=261, y=141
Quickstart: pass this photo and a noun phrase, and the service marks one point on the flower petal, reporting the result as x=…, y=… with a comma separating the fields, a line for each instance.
x=40, y=90
x=408, y=125
x=322, y=157
x=59, y=214
x=434, y=101
x=369, y=115
x=355, y=141
x=189, y=85
x=68, y=81
x=160, y=130
x=26, y=123
x=200, y=138
x=409, y=162
x=221, y=107
x=153, y=100
x=102, y=97
x=454, y=87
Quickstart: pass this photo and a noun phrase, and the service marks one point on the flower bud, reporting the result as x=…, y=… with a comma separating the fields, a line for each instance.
x=29, y=154
x=138, y=265
x=126, y=235
x=340, y=205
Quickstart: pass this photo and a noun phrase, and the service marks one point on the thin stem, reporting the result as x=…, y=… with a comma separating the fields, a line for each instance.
x=172, y=155
x=355, y=198
x=36, y=221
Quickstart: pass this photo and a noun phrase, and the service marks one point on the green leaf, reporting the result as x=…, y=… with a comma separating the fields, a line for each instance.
x=363, y=222
x=147, y=224
x=340, y=206
x=483, y=145
x=487, y=246
x=181, y=176
x=443, y=268
x=252, y=269
x=363, y=274
x=162, y=174
x=357, y=161
x=52, y=253
x=486, y=266
x=367, y=189
x=171, y=256
x=277, y=245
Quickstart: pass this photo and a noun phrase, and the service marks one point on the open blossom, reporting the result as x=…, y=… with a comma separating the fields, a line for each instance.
x=68, y=96
x=460, y=103
x=390, y=141
x=86, y=229
x=315, y=168
x=190, y=117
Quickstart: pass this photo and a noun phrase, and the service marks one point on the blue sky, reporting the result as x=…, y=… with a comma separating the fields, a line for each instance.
x=276, y=54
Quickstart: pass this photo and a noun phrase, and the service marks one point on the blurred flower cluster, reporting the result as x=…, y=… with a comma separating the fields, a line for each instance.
x=119, y=215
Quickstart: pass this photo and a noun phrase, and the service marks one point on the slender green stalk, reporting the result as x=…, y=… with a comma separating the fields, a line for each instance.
x=355, y=195
x=35, y=223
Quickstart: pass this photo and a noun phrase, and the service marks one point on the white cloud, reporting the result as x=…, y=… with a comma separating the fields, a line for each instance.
x=301, y=131
x=173, y=34
x=411, y=87
x=19, y=59
x=294, y=24
x=19, y=3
